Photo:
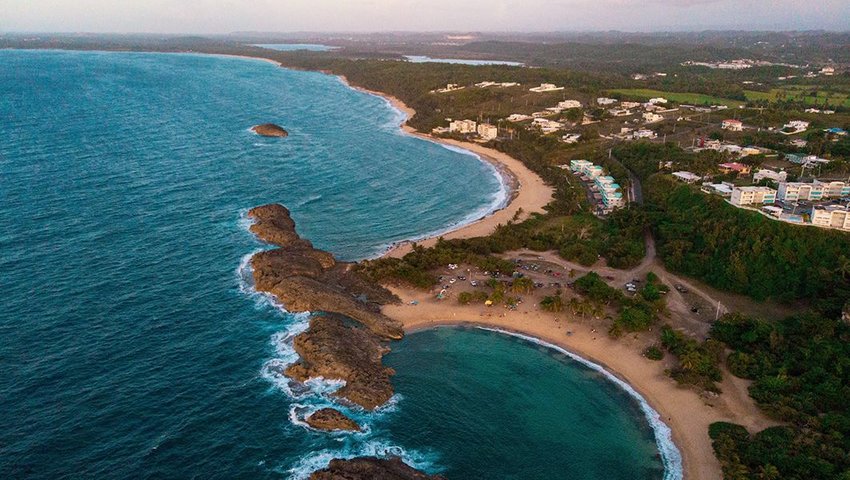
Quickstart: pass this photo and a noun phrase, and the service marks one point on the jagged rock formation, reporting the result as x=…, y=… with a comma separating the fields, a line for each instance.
x=334, y=350
x=331, y=420
x=269, y=130
x=306, y=279
x=371, y=468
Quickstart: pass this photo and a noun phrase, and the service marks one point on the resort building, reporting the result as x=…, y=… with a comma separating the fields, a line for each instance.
x=765, y=173
x=606, y=101
x=686, y=177
x=487, y=131
x=658, y=100
x=629, y=105
x=796, y=191
x=612, y=194
x=742, y=196
x=545, y=87
x=831, y=216
x=732, y=125
x=833, y=189
x=463, y=126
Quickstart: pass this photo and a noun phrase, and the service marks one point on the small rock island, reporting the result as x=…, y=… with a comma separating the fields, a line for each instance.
x=332, y=420
x=269, y=130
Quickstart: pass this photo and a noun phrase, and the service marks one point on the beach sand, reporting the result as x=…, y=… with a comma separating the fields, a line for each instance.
x=528, y=192
x=687, y=413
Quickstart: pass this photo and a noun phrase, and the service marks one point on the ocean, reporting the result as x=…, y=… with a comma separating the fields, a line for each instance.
x=132, y=343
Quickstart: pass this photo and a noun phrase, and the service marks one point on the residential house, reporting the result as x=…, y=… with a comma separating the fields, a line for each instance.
x=547, y=126
x=730, y=167
x=652, y=117
x=732, y=125
x=518, y=117
x=687, y=177
x=545, y=87
x=658, y=101
x=568, y=104
x=571, y=138
x=773, y=175
x=606, y=101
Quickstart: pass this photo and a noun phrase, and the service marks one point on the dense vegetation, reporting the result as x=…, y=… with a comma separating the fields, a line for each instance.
x=704, y=237
x=801, y=372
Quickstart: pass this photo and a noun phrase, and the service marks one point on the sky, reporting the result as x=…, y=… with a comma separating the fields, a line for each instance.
x=226, y=16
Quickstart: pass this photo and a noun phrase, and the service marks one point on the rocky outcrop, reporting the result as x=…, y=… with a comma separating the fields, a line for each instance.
x=333, y=350
x=269, y=130
x=371, y=468
x=331, y=420
x=304, y=278
x=307, y=279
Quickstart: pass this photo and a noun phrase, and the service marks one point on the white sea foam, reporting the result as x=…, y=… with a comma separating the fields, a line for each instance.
x=309, y=200
x=375, y=448
x=670, y=455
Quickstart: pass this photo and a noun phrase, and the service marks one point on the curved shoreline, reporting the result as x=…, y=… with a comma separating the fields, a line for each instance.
x=527, y=192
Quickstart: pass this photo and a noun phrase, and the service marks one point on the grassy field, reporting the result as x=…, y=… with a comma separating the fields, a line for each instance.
x=691, y=98
x=801, y=93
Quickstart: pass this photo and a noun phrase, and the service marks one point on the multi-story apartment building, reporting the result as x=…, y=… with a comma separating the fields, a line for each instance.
x=834, y=189
x=752, y=196
x=796, y=191
x=831, y=216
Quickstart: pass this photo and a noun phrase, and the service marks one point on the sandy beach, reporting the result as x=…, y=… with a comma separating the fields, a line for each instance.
x=687, y=413
x=528, y=192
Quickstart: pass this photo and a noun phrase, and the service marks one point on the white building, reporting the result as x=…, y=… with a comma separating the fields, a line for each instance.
x=833, y=189
x=795, y=126
x=658, y=101
x=571, y=138
x=629, y=105
x=463, y=126
x=796, y=191
x=545, y=87
x=753, y=195
x=568, y=104
x=687, y=177
x=773, y=175
x=487, y=131
x=644, y=133
x=547, y=126
x=831, y=216
x=828, y=71
x=519, y=117
x=450, y=87
x=732, y=125
x=649, y=117
x=606, y=101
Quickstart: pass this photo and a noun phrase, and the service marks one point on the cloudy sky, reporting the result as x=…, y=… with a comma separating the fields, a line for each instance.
x=223, y=16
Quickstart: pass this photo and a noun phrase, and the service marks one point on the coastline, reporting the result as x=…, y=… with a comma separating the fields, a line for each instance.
x=685, y=412
x=527, y=194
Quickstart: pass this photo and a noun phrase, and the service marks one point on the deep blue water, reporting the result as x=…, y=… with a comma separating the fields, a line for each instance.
x=132, y=346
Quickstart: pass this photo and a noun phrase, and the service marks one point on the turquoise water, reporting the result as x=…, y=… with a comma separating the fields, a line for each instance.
x=132, y=343
x=459, y=61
